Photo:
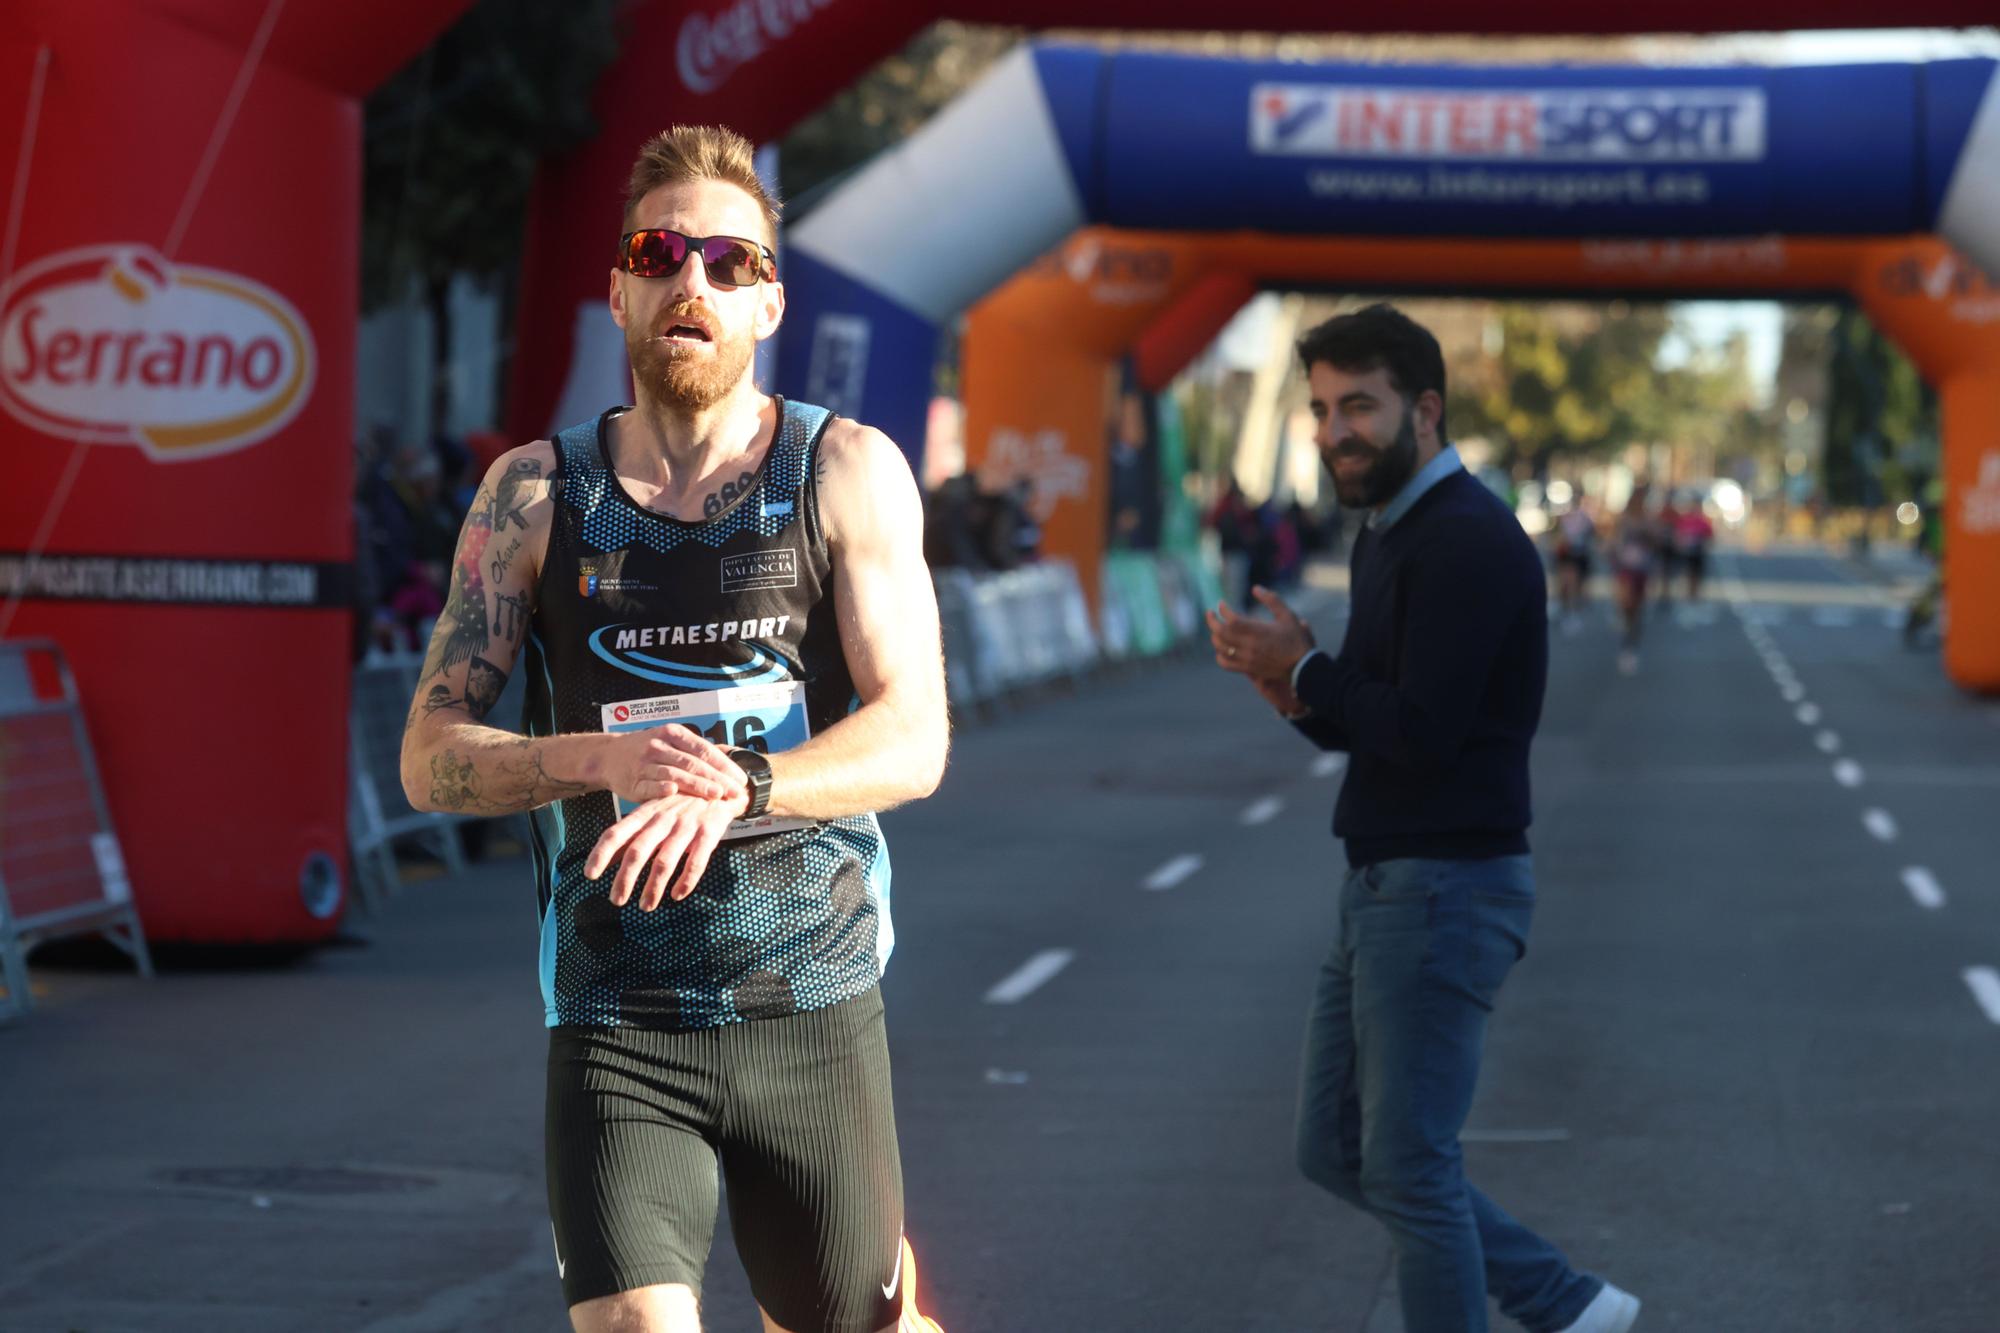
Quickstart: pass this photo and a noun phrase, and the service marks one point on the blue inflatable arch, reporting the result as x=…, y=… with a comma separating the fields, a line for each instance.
x=1058, y=137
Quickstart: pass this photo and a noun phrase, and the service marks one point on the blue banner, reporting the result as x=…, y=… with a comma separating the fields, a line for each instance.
x=1204, y=144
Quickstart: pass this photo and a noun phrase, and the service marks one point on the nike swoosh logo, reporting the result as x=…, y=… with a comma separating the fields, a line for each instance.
x=562, y=1267
x=895, y=1274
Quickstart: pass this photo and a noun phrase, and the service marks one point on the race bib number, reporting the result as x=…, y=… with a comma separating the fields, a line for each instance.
x=764, y=718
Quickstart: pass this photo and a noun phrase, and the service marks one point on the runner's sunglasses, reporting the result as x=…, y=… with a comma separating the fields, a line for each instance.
x=729, y=261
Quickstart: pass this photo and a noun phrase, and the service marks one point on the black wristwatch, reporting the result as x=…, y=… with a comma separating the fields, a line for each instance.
x=758, y=769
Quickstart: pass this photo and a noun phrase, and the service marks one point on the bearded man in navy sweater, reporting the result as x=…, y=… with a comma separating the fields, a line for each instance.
x=1434, y=694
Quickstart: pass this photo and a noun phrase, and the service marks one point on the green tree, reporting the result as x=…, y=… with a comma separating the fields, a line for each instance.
x=1881, y=419
x=452, y=142
x=1565, y=379
x=889, y=103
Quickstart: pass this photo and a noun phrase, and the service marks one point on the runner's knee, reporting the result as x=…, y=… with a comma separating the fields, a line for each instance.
x=667, y=1308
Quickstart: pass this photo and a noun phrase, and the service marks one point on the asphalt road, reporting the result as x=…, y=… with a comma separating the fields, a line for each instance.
x=1747, y=1070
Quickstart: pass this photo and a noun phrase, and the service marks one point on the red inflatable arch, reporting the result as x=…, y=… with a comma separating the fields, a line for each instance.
x=179, y=281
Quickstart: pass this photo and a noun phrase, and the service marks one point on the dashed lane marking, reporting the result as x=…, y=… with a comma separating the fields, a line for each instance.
x=1173, y=872
x=1030, y=976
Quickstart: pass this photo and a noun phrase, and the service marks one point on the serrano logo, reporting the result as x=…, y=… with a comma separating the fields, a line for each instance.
x=114, y=345
x=1539, y=125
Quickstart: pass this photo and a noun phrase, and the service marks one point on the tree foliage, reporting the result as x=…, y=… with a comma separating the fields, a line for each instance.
x=889, y=103
x=1560, y=379
x=453, y=139
x=1881, y=418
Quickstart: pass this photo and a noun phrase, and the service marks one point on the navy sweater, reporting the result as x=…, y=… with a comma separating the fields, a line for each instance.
x=1437, y=689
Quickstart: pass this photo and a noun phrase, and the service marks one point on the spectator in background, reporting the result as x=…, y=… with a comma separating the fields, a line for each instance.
x=383, y=546
x=418, y=588
x=1288, y=546
x=1014, y=537
x=1693, y=535
x=1575, y=549
x=1669, y=522
x=1635, y=553
x=950, y=541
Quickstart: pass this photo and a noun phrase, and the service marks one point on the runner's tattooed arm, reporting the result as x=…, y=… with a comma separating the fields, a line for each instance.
x=452, y=760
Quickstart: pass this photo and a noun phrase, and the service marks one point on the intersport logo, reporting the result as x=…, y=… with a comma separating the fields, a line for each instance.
x=112, y=344
x=1521, y=124
x=709, y=49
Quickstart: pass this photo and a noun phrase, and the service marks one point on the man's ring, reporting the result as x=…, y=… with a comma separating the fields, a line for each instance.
x=1229, y=652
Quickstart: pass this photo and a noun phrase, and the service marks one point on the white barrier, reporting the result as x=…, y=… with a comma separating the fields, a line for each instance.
x=1014, y=631
x=61, y=870
x=378, y=814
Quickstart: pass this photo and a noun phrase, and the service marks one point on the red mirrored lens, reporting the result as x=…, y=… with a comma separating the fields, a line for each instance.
x=655, y=253
x=729, y=263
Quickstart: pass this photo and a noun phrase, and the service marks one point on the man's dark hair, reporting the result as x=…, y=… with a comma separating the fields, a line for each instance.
x=1380, y=336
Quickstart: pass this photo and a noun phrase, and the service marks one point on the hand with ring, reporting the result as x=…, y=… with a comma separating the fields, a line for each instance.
x=1260, y=649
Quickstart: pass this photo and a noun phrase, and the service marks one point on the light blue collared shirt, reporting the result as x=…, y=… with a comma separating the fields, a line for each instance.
x=1433, y=472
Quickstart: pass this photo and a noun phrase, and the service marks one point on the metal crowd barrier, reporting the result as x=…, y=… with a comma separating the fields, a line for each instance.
x=379, y=817
x=1005, y=633
x=61, y=870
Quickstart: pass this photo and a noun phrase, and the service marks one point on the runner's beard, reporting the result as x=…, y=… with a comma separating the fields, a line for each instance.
x=1391, y=468
x=689, y=379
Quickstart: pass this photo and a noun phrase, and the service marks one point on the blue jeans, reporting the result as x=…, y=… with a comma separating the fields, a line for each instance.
x=1391, y=1060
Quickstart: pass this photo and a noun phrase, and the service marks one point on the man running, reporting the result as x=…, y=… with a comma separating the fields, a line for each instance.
x=1576, y=543
x=1635, y=553
x=733, y=660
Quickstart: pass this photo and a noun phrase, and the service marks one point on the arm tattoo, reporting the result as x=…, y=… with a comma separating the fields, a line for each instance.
x=499, y=564
x=511, y=616
x=497, y=780
x=466, y=608
x=454, y=781
x=513, y=491
x=483, y=684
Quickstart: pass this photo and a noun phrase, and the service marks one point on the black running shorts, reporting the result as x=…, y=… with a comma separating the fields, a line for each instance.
x=796, y=1114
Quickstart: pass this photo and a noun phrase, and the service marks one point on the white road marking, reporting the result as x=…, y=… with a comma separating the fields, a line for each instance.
x=1809, y=714
x=1328, y=764
x=1264, y=811
x=1827, y=741
x=1029, y=976
x=1985, y=983
x=1514, y=1136
x=1880, y=824
x=1792, y=691
x=1923, y=886
x=1847, y=773
x=1173, y=872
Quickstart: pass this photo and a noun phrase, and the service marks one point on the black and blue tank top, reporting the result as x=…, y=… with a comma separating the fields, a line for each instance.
x=643, y=618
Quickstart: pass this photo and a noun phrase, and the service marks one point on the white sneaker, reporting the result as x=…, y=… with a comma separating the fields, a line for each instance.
x=1613, y=1311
